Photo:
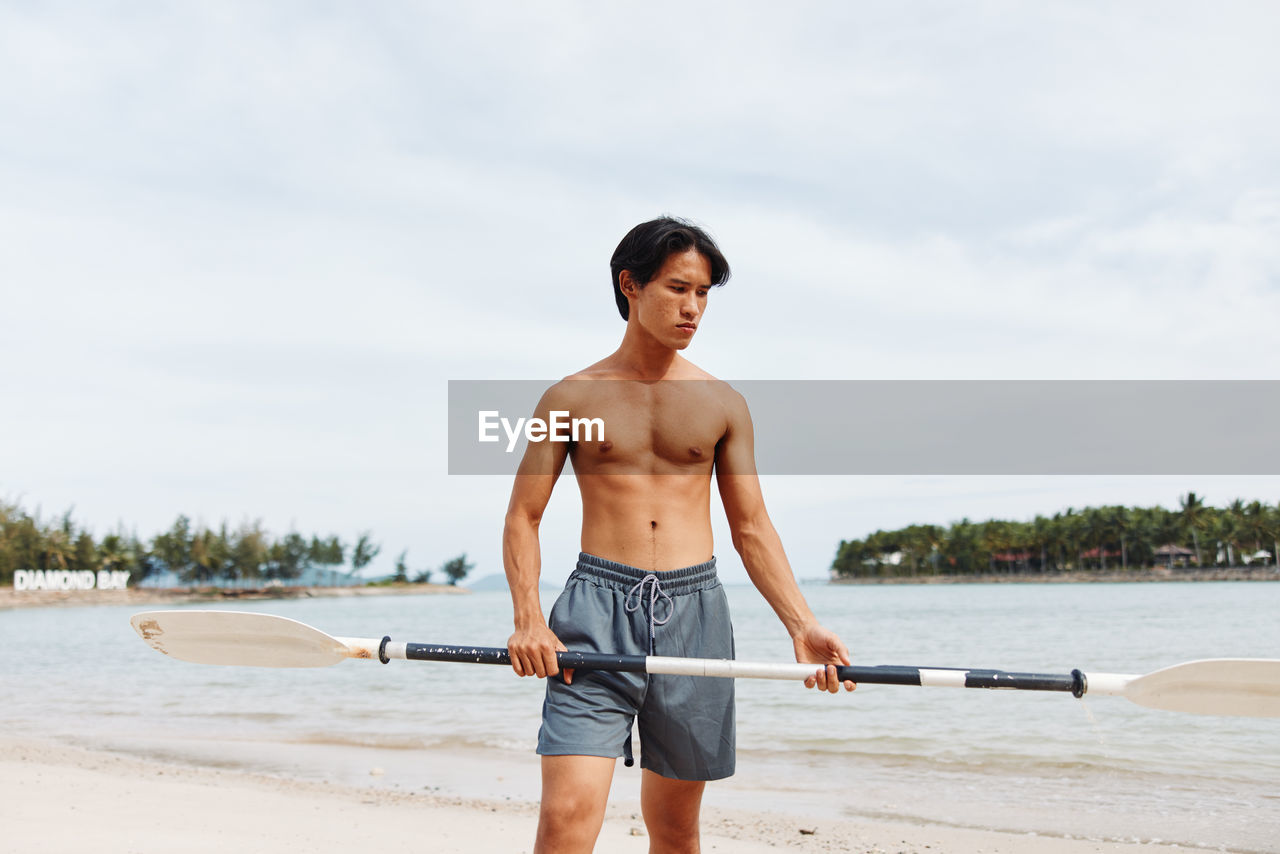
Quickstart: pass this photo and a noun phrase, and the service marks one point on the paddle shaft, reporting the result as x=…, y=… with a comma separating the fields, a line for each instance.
x=1073, y=683
x=1221, y=686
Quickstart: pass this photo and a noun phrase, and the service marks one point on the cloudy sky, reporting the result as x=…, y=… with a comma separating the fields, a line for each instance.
x=246, y=245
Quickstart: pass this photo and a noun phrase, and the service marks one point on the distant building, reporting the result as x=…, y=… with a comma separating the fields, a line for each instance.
x=1175, y=555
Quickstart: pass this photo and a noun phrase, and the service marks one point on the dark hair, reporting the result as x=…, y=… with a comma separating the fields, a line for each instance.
x=647, y=246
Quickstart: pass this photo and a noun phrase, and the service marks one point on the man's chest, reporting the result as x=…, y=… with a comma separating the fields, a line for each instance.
x=647, y=425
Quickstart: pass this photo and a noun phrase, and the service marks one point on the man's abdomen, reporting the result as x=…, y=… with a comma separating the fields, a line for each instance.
x=654, y=522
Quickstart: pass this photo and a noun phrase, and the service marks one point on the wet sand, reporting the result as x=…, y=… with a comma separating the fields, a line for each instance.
x=58, y=798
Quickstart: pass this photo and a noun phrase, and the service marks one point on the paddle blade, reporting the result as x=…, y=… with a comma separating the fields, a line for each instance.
x=1248, y=687
x=237, y=638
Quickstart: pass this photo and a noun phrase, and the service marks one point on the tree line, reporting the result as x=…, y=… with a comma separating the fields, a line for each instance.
x=1091, y=539
x=196, y=554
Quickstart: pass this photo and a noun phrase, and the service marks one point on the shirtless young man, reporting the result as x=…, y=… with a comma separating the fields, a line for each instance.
x=646, y=582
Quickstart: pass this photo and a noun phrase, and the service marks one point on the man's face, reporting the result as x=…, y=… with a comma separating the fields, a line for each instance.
x=670, y=307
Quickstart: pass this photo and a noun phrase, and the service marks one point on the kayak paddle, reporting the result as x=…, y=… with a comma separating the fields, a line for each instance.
x=1248, y=687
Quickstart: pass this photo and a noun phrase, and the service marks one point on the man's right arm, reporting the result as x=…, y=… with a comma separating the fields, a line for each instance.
x=532, y=645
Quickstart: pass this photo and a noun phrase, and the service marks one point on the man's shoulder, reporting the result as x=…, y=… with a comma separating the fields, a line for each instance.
x=605, y=369
x=576, y=387
x=713, y=385
x=577, y=383
x=686, y=370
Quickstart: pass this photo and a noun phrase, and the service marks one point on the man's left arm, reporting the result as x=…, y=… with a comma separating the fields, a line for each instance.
x=760, y=547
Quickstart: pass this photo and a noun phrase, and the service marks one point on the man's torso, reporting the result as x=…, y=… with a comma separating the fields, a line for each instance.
x=646, y=486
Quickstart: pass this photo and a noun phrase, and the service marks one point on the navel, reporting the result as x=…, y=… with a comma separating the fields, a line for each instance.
x=653, y=523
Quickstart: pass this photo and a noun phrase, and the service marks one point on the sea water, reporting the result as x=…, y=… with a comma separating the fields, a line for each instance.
x=1099, y=768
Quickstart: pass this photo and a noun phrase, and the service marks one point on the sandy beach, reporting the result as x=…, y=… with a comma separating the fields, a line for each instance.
x=57, y=798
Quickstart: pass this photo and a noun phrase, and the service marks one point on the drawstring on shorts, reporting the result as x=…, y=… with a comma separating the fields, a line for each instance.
x=655, y=590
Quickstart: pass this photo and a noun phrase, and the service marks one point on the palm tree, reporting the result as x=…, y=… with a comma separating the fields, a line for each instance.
x=56, y=549
x=1235, y=531
x=1273, y=523
x=997, y=536
x=1022, y=539
x=290, y=556
x=1224, y=527
x=918, y=543
x=1042, y=535
x=879, y=547
x=1120, y=522
x=1058, y=540
x=115, y=552
x=1075, y=532
x=845, y=563
x=173, y=547
x=204, y=563
x=327, y=554
x=930, y=539
x=1194, y=515
x=1098, y=529
x=249, y=549
x=963, y=546
x=86, y=553
x=1254, y=524
x=1150, y=528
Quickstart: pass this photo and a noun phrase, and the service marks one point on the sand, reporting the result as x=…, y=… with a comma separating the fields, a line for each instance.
x=58, y=798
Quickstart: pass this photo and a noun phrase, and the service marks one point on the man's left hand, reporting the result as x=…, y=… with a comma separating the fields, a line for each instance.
x=818, y=644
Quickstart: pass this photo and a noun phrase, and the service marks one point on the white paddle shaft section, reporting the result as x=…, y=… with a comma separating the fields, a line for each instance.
x=367, y=647
x=1111, y=684
x=726, y=668
x=942, y=678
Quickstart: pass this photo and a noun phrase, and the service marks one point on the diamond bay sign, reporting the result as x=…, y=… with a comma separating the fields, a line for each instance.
x=67, y=579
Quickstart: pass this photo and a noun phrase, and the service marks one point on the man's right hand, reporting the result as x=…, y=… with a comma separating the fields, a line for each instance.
x=533, y=652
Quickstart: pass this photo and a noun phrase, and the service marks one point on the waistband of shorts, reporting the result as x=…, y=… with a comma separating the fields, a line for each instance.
x=623, y=577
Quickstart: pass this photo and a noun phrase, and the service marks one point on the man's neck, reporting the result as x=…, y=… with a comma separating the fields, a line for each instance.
x=642, y=355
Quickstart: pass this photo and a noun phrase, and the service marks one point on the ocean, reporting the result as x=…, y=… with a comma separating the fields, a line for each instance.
x=1099, y=768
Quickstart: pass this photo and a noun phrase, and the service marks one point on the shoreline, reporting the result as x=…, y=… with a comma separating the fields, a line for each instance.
x=11, y=598
x=130, y=802
x=1132, y=576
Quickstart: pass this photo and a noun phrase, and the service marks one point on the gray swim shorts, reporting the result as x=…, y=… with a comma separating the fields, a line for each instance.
x=686, y=722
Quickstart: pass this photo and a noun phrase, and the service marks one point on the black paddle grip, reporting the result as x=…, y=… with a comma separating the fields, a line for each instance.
x=499, y=655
